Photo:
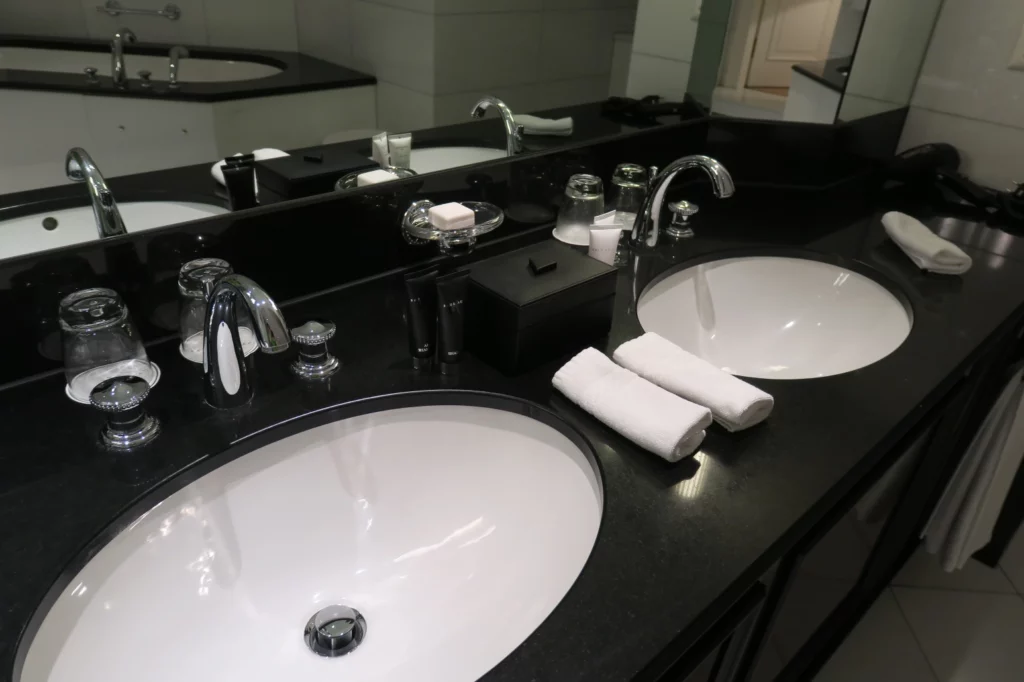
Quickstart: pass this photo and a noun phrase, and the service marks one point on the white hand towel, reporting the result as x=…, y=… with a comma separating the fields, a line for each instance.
x=217, y=170
x=649, y=416
x=735, y=404
x=928, y=250
x=534, y=125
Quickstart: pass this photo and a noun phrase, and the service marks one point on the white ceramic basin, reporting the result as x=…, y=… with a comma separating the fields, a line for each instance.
x=454, y=530
x=776, y=318
x=76, y=225
x=432, y=159
x=190, y=70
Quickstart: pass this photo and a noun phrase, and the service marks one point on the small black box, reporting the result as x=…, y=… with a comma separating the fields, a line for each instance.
x=295, y=176
x=537, y=303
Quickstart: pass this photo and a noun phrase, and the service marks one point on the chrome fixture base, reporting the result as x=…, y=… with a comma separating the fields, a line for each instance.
x=335, y=631
x=128, y=426
x=314, y=361
x=681, y=226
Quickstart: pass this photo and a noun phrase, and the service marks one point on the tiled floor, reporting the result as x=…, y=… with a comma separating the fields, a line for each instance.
x=932, y=626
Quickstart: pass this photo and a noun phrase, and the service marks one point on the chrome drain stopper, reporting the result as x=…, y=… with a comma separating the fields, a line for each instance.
x=335, y=631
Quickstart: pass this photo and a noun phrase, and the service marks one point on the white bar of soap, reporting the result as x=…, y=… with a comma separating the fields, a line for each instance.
x=373, y=177
x=451, y=216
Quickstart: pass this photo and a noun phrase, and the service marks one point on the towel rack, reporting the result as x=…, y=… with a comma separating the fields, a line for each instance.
x=114, y=8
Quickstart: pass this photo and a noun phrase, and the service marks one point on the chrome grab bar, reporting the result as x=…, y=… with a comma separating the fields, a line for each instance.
x=114, y=8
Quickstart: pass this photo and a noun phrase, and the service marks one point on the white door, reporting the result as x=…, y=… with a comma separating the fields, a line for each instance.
x=790, y=31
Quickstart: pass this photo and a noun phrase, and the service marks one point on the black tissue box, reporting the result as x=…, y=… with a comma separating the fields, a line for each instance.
x=296, y=176
x=537, y=303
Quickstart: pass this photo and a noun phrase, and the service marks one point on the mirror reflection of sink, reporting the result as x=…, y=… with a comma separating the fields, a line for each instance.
x=430, y=159
x=453, y=530
x=776, y=318
x=64, y=227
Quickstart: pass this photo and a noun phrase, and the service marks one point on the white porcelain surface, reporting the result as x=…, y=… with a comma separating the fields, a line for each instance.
x=441, y=158
x=191, y=71
x=76, y=225
x=454, y=530
x=776, y=318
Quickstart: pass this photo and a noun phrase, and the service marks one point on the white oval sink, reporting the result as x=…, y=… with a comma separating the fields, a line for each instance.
x=76, y=225
x=430, y=159
x=776, y=318
x=454, y=530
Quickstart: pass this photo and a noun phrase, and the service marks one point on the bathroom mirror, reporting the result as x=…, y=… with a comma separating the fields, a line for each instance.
x=156, y=93
x=812, y=61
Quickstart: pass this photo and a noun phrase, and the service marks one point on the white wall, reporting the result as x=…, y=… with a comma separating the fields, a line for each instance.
x=666, y=31
x=967, y=96
x=255, y=24
x=848, y=23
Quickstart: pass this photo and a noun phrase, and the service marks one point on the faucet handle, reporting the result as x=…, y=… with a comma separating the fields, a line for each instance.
x=144, y=76
x=682, y=211
x=128, y=426
x=90, y=73
x=314, y=361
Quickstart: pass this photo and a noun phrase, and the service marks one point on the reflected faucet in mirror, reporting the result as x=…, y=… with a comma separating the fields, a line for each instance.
x=117, y=68
x=513, y=132
x=646, y=227
x=175, y=56
x=79, y=167
x=226, y=380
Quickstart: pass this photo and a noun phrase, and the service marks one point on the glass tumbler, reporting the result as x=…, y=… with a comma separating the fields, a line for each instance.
x=196, y=280
x=629, y=189
x=584, y=201
x=100, y=342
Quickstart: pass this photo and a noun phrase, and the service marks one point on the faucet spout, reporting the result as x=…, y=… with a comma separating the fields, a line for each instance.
x=226, y=380
x=513, y=132
x=79, y=167
x=648, y=218
x=117, y=69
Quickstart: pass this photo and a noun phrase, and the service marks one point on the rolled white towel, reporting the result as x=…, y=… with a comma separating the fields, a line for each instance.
x=734, y=403
x=649, y=416
x=928, y=250
x=535, y=125
x=217, y=170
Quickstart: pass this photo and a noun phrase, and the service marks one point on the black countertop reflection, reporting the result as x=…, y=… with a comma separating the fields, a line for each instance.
x=679, y=543
x=832, y=73
x=299, y=73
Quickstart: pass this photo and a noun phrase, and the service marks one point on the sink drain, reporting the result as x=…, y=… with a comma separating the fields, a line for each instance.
x=335, y=631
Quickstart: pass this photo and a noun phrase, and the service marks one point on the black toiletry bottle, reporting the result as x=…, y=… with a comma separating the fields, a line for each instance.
x=451, y=313
x=239, y=180
x=421, y=315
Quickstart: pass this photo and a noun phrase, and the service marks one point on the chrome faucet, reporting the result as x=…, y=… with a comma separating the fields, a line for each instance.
x=176, y=54
x=646, y=227
x=513, y=132
x=79, y=167
x=226, y=381
x=117, y=69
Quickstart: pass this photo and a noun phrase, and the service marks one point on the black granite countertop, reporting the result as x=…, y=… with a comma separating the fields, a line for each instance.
x=299, y=73
x=832, y=73
x=678, y=543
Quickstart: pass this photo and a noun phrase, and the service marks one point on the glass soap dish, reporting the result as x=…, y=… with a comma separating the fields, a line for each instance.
x=417, y=228
x=351, y=181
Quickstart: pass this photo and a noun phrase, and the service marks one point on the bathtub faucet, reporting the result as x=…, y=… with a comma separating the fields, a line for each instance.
x=176, y=54
x=79, y=167
x=117, y=70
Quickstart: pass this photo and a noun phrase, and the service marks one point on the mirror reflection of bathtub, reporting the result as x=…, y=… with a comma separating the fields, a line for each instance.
x=229, y=101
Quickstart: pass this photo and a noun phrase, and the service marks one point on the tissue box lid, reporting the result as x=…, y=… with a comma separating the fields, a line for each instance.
x=576, y=280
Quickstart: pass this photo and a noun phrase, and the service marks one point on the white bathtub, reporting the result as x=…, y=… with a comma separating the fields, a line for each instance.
x=190, y=70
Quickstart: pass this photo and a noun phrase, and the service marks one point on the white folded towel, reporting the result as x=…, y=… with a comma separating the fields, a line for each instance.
x=217, y=170
x=928, y=250
x=534, y=125
x=735, y=404
x=649, y=416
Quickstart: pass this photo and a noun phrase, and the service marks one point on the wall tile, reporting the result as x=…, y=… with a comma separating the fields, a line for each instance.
x=422, y=6
x=483, y=51
x=44, y=18
x=657, y=76
x=254, y=24
x=396, y=45
x=590, y=4
x=189, y=29
x=665, y=28
x=454, y=108
x=324, y=30
x=621, y=54
x=476, y=6
x=400, y=109
x=965, y=71
x=580, y=42
x=991, y=152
